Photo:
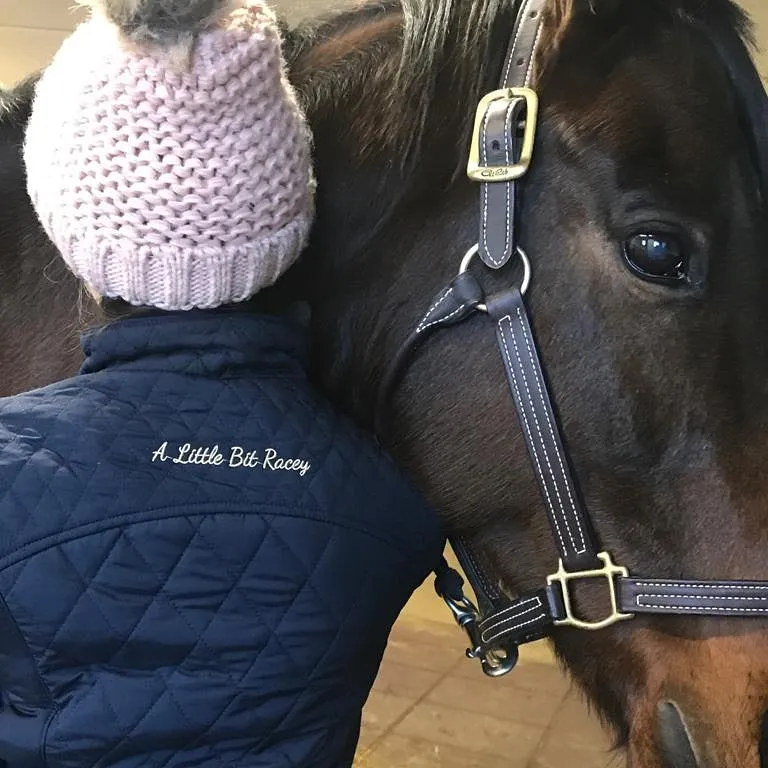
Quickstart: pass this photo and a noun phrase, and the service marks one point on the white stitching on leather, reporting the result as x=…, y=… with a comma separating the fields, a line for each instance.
x=484, y=187
x=424, y=324
x=515, y=609
x=661, y=585
x=486, y=192
x=688, y=608
x=517, y=38
x=518, y=615
x=508, y=185
x=527, y=426
x=486, y=631
x=543, y=443
x=509, y=630
x=442, y=319
x=536, y=376
x=507, y=189
x=701, y=597
x=529, y=71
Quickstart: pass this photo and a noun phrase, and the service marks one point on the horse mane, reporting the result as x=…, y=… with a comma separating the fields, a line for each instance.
x=414, y=46
x=402, y=52
x=458, y=46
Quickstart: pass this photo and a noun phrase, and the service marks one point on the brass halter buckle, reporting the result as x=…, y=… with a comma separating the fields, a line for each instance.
x=610, y=571
x=491, y=174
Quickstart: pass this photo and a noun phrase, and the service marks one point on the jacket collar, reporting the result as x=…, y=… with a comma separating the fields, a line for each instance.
x=197, y=343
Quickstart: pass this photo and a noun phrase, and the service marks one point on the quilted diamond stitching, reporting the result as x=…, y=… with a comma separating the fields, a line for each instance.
x=263, y=409
x=273, y=637
x=83, y=595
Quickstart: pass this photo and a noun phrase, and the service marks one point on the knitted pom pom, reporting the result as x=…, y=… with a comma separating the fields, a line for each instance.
x=166, y=23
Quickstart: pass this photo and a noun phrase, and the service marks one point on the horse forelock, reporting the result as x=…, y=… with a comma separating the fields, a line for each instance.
x=396, y=53
x=458, y=34
x=405, y=54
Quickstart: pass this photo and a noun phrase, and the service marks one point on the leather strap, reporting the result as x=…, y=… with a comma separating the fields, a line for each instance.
x=533, y=616
x=489, y=596
x=702, y=598
x=504, y=624
x=499, y=143
x=542, y=434
x=523, y=621
x=451, y=306
x=520, y=61
x=499, y=146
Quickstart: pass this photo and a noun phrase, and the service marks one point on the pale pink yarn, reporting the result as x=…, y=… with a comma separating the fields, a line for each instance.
x=170, y=188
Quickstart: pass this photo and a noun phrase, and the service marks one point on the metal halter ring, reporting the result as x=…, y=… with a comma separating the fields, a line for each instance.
x=466, y=262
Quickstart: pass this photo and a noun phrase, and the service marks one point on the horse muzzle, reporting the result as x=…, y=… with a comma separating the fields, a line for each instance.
x=704, y=703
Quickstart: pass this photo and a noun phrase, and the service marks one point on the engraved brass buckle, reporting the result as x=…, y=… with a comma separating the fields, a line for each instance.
x=610, y=571
x=493, y=174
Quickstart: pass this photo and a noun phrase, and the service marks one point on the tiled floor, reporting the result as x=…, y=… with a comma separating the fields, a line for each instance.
x=433, y=708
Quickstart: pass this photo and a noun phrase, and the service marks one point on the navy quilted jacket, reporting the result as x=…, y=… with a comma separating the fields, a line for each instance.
x=200, y=560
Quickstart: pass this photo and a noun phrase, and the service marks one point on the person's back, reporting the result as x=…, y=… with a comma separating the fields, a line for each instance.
x=200, y=560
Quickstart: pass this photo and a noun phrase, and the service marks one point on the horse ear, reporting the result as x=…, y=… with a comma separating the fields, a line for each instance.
x=753, y=103
x=752, y=100
x=561, y=14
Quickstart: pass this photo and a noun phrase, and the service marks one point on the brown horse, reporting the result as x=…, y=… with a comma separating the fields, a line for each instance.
x=645, y=217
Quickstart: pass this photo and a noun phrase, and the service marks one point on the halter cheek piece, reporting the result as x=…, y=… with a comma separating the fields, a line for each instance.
x=499, y=158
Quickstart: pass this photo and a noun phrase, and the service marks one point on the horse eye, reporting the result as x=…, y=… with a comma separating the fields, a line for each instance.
x=656, y=257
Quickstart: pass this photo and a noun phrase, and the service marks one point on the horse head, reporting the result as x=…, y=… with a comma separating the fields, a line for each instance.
x=644, y=218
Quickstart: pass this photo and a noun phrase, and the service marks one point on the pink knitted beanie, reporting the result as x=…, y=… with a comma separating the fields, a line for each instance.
x=172, y=168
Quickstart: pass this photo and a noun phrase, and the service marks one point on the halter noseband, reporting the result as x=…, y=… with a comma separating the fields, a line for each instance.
x=499, y=158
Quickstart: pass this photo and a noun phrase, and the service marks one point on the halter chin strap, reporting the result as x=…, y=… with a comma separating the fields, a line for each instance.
x=502, y=148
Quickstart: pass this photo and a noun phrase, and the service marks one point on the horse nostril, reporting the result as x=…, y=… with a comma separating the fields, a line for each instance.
x=763, y=746
x=673, y=737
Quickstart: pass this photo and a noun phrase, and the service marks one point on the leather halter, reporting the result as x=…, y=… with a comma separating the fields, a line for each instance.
x=499, y=625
